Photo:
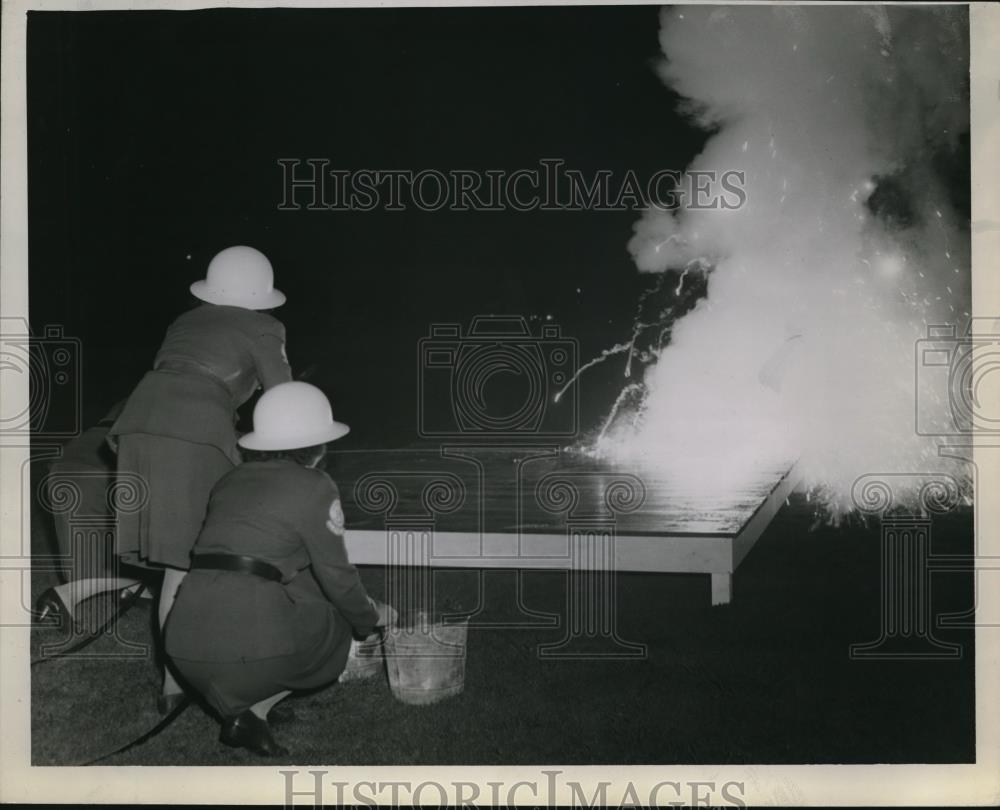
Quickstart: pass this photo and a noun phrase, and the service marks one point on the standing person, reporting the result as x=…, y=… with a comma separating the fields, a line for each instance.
x=178, y=428
x=272, y=601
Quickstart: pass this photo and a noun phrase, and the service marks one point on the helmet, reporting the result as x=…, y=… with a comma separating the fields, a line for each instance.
x=239, y=277
x=292, y=415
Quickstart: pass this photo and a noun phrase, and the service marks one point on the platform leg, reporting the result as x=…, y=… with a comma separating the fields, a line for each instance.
x=722, y=589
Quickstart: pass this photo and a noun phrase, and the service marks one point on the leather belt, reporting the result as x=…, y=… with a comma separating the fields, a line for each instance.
x=191, y=367
x=238, y=563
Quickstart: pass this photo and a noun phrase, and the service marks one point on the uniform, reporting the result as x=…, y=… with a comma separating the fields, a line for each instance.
x=239, y=638
x=177, y=429
x=88, y=466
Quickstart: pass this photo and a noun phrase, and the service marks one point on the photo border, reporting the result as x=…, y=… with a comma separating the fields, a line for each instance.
x=764, y=784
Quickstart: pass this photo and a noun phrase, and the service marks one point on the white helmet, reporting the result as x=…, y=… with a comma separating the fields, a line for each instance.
x=292, y=415
x=239, y=276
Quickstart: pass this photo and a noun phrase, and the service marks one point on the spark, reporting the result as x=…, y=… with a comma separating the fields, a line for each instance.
x=680, y=282
x=628, y=389
x=671, y=238
x=618, y=348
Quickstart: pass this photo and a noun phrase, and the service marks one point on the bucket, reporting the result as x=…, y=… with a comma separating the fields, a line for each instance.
x=365, y=659
x=426, y=663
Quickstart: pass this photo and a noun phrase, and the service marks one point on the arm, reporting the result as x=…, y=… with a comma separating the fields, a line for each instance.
x=323, y=534
x=269, y=356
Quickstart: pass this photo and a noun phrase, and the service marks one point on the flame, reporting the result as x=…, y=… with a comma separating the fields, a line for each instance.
x=804, y=346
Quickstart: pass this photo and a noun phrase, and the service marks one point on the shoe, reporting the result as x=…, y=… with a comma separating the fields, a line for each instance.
x=135, y=593
x=281, y=715
x=248, y=731
x=51, y=606
x=166, y=703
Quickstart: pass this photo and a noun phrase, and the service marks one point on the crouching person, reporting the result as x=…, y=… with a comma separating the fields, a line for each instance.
x=271, y=602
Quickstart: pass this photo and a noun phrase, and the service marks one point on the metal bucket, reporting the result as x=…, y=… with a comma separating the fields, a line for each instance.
x=426, y=663
x=365, y=659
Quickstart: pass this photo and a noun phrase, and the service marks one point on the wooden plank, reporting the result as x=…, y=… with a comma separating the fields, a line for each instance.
x=764, y=514
x=509, y=500
x=484, y=515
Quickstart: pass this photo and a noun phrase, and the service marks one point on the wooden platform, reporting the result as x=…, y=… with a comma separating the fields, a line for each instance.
x=546, y=508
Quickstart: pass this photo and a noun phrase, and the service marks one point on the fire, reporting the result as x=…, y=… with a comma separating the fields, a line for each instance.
x=820, y=286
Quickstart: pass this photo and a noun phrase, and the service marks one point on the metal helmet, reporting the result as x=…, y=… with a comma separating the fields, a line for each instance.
x=239, y=276
x=292, y=415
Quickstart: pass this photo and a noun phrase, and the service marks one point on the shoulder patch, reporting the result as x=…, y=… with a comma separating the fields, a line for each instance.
x=335, y=522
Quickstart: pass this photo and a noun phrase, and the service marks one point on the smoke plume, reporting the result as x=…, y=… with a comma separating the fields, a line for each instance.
x=847, y=122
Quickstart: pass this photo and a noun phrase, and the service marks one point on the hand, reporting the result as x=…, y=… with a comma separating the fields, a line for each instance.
x=387, y=614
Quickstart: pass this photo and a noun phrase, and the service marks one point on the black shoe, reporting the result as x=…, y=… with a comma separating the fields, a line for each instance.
x=248, y=731
x=166, y=703
x=53, y=611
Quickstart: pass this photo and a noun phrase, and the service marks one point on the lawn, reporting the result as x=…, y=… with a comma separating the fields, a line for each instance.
x=767, y=679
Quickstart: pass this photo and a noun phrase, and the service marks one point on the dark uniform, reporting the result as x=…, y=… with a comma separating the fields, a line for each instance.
x=87, y=465
x=239, y=638
x=178, y=428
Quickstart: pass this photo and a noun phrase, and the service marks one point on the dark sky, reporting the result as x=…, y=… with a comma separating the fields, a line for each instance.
x=154, y=139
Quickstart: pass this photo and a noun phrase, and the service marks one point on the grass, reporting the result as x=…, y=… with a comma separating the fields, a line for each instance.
x=766, y=679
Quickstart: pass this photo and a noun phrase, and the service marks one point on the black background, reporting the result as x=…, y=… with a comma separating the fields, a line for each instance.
x=154, y=139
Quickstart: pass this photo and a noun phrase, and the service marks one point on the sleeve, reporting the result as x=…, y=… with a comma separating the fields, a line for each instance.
x=269, y=354
x=323, y=534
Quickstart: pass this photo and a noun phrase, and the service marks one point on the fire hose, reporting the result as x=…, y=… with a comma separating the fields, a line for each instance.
x=143, y=738
x=124, y=606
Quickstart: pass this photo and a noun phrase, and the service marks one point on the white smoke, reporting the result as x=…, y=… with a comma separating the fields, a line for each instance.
x=804, y=345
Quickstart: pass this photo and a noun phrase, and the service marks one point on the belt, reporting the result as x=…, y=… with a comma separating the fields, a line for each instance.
x=238, y=563
x=195, y=369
